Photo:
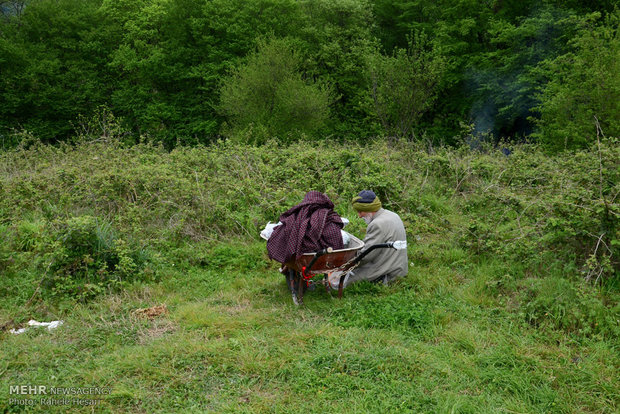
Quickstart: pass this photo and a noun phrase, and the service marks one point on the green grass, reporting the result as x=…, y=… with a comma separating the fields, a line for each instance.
x=437, y=341
x=494, y=316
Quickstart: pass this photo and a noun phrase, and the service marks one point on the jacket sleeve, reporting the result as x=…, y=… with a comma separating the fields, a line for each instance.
x=374, y=235
x=368, y=269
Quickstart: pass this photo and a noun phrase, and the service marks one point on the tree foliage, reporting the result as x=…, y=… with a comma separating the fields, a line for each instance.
x=583, y=90
x=159, y=65
x=505, y=78
x=268, y=93
x=337, y=40
x=51, y=66
x=404, y=85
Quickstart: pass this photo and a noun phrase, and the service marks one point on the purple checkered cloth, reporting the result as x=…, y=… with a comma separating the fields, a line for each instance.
x=310, y=226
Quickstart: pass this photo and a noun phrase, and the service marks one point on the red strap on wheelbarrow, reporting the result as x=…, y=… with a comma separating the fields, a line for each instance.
x=303, y=274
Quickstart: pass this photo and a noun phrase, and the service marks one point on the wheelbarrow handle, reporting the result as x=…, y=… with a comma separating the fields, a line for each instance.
x=397, y=245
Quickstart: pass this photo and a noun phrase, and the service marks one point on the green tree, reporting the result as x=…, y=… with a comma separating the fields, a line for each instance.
x=493, y=50
x=268, y=93
x=583, y=84
x=10, y=9
x=460, y=28
x=51, y=60
x=157, y=90
x=336, y=39
x=172, y=55
x=404, y=85
x=505, y=78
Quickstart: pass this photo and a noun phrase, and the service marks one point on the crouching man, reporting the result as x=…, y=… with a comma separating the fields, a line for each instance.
x=380, y=265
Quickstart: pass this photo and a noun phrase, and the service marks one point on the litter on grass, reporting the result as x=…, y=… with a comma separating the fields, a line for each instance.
x=32, y=322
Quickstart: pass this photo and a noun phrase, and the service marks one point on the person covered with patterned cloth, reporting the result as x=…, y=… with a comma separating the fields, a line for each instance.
x=380, y=265
x=309, y=226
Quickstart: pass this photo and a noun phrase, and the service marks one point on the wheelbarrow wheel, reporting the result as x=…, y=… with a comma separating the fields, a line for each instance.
x=297, y=286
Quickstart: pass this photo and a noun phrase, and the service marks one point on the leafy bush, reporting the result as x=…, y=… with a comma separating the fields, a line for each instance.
x=539, y=208
x=87, y=257
x=517, y=206
x=568, y=305
x=269, y=96
x=79, y=257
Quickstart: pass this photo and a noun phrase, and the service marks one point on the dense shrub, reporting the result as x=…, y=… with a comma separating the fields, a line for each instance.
x=88, y=258
x=79, y=257
x=550, y=208
x=568, y=305
x=269, y=97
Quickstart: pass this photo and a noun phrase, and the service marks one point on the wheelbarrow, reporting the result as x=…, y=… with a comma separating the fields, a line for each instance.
x=311, y=269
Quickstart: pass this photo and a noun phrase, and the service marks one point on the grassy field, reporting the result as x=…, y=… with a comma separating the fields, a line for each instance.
x=232, y=341
x=468, y=331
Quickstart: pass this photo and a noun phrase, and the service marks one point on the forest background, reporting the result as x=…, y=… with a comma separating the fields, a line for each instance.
x=190, y=71
x=144, y=145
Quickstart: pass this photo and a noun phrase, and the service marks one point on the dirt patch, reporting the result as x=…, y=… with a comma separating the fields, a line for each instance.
x=151, y=312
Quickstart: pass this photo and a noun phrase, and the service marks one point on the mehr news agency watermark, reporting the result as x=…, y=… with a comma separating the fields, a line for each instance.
x=26, y=395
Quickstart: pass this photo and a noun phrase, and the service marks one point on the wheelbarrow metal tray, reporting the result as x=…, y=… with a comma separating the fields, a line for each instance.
x=328, y=261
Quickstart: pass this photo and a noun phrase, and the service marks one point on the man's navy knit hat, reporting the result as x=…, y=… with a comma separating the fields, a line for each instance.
x=366, y=200
x=366, y=196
